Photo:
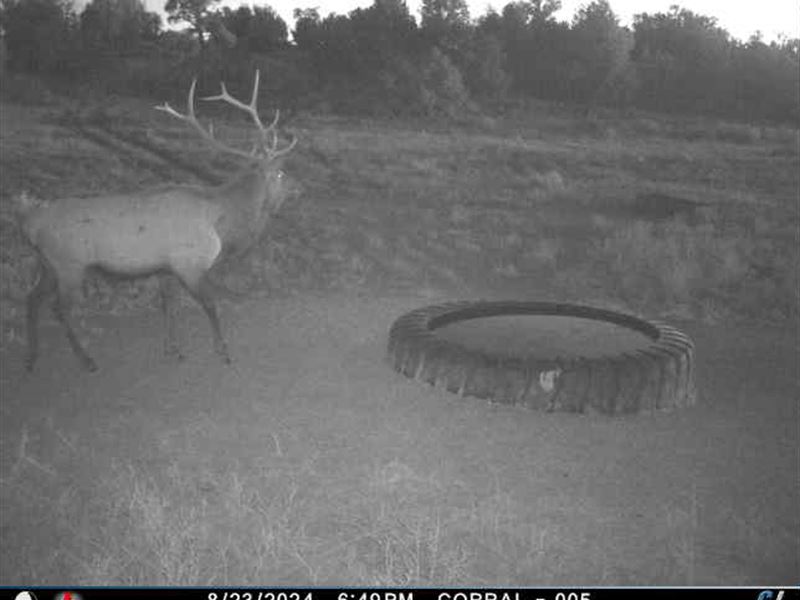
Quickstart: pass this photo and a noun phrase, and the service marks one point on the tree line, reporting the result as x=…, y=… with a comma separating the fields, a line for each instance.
x=381, y=60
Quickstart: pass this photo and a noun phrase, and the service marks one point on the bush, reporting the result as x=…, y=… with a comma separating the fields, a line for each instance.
x=430, y=87
x=485, y=74
x=442, y=91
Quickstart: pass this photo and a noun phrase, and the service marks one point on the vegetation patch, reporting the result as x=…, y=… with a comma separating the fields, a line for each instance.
x=387, y=206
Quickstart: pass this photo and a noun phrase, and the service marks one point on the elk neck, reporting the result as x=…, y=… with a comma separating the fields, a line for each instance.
x=247, y=190
x=246, y=206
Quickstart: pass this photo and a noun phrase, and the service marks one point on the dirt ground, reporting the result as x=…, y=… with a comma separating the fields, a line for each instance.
x=309, y=461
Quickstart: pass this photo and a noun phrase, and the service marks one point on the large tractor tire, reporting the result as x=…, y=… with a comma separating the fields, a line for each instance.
x=649, y=368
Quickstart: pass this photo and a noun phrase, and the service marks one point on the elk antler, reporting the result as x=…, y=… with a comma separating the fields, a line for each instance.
x=268, y=149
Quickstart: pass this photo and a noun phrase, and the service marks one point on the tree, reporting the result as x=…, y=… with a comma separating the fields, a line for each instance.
x=371, y=60
x=118, y=25
x=682, y=61
x=197, y=13
x=534, y=45
x=766, y=80
x=600, y=55
x=306, y=27
x=38, y=34
x=543, y=11
x=330, y=44
x=441, y=87
x=484, y=70
x=445, y=24
x=259, y=29
x=490, y=23
x=381, y=34
x=448, y=12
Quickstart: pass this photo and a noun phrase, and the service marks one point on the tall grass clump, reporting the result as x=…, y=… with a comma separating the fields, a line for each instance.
x=701, y=271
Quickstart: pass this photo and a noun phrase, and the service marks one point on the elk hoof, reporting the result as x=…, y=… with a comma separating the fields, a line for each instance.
x=90, y=365
x=30, y=362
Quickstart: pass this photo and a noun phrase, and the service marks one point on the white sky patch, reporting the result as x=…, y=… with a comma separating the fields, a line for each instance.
x=741, y=19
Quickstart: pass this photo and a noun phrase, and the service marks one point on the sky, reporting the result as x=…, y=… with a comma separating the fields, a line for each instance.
x=739, y=17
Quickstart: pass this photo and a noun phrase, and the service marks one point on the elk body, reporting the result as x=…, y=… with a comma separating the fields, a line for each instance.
x=176, y=231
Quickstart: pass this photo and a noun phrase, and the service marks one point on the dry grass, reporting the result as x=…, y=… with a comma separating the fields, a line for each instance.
x=323, y=470
x=169, y=525
x=548, y=211
x=537, y=213
x=536, y=206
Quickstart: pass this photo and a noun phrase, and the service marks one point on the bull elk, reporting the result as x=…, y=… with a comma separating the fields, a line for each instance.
x=178, y=230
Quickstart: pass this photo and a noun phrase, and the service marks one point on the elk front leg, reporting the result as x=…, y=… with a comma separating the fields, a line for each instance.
x=206, y=300
x=169, y=306
x=200, y=289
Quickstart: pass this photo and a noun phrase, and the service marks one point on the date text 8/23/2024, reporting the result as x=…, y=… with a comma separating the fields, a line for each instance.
x=386, y=595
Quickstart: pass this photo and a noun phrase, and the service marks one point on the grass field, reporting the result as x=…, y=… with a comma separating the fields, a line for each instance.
x=310, y=462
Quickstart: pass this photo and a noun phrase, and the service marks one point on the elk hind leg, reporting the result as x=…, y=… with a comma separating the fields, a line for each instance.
x=61, y=309
x=46, y=286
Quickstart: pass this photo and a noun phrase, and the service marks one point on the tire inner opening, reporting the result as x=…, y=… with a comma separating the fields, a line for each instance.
x=543, y=336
